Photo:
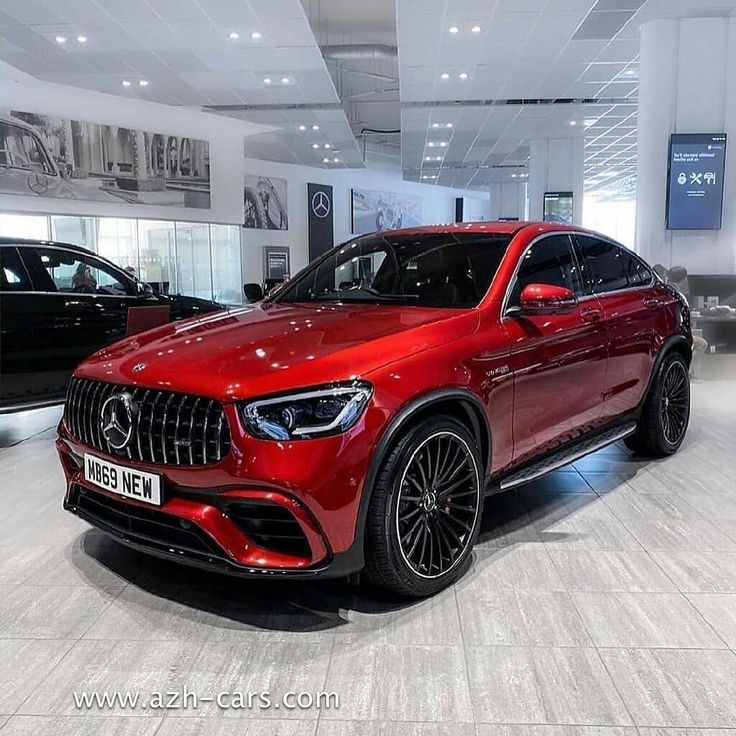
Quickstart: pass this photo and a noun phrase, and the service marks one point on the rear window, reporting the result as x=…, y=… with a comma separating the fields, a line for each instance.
x=435, y=270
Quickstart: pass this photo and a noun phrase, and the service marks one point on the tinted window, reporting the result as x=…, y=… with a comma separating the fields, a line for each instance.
x=56, y=269
x=548, y=261
x=610, y=267
x=442, y=270
x=13, y=276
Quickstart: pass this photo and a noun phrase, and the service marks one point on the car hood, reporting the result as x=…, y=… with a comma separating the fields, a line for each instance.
x=267, y=348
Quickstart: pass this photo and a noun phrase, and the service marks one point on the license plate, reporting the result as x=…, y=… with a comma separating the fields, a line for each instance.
x=124, y=481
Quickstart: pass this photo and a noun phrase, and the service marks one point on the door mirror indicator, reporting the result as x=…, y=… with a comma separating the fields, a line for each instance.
x=547, y=299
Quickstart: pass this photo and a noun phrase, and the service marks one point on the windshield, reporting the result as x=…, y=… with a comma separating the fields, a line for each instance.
x=430, y=270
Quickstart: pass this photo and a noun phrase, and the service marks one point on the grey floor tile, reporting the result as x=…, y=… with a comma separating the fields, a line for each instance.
x=184, y=726
x=385, y=728
x=699, y=572
x=719, y=610
x=675, y=687
x=644, y=620
x=486, y=729
x=550, y=685
x=381, y=683
x=417, y=623
x=19, y=562
x=611, y=481
x=260, y=666
x=50, y=612
x=682, y=534
x=522, y=567
x=685, y=732
x=632, y=505
x=81, y=726
x=112, y=666
x=521, y=618
x=25, y=664
x=147, y=616
x=631, y=571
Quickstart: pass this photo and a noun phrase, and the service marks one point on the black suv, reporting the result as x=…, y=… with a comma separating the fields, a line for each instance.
x=60, y=303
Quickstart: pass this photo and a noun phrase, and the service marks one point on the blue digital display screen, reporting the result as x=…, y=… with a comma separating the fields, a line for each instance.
x=697, y=167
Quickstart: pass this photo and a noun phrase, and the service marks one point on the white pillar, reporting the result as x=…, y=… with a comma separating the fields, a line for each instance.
x=556, y=165
x=508, y=199
x=687, y=85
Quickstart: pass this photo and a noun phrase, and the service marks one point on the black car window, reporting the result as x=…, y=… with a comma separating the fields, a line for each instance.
x=57, y=269
x=428, y=270
x=13, y=275
x=608, y=267
x=549, y=261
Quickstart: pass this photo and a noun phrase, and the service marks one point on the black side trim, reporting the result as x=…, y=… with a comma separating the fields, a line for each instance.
x=476, y=415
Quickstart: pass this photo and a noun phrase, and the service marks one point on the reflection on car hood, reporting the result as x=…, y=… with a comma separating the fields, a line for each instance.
x=267, y=348
x=188, y=306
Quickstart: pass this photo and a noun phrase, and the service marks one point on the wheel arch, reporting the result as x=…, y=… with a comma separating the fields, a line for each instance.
x=460, y=403
x=676, y=343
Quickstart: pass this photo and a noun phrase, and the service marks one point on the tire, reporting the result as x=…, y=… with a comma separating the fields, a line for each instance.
x=666, y=412
x=428, y=492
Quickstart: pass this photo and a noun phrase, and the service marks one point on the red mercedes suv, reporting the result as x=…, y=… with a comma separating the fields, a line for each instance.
x=357, y=418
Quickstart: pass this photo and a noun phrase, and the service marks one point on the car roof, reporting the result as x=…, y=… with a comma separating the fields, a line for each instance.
x=52, y=243
x=488, y=228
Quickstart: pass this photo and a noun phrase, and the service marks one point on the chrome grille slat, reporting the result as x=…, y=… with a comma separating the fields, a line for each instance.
x=193, y=423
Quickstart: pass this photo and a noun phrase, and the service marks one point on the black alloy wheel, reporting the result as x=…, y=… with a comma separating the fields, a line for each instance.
x=438, y=503
x=674, y=408
x=425, y=508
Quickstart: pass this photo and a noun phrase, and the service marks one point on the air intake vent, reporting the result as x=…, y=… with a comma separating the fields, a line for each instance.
x=270, y=526
x=169, y=429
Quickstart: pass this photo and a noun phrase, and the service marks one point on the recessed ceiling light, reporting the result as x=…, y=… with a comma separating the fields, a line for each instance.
x=267, y=80
x=448, y=125
x=233, y=36
x=285, y=80
x=628, y=72
x=325, y=160
x=302, y=127
x=444, y=75
x=143, y=83
x=453, y=29
x=315, y=145
x=475, y=29
x=82, y=39
x=431, y=144
x=315, y=127
x=255, y=35
x=61, y=39
x=336, y=160
x=588, y=123
x=443, y=144
x=573, y=123
x=126, y=83
x=513, y=176
x=463, y=75
x=435, y=125
x=327, y=145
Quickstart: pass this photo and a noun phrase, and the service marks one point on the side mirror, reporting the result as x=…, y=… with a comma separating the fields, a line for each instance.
x=547, y=299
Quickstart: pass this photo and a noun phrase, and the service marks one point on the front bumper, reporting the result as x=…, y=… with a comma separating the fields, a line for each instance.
x=206, y=517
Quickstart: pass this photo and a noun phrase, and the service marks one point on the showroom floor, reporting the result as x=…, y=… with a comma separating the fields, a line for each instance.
x=603, y=595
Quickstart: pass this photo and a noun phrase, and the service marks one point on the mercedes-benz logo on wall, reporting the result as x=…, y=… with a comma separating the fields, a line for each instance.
x=117, y=420
x=321, y=204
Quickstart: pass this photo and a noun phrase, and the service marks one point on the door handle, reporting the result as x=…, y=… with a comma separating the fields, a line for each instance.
x=590, y=314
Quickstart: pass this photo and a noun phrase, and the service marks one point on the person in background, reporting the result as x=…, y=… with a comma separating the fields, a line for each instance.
x=131, y=271
x=83, y=282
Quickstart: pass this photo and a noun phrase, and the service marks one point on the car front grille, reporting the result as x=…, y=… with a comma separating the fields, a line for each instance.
x=170, y=428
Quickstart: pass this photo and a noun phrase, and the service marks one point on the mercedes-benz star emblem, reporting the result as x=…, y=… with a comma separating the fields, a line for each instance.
x=37, y=183
x=117, y=420
x=321, y=204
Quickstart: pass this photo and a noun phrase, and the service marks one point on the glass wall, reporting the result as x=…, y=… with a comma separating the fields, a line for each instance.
x=192, y=258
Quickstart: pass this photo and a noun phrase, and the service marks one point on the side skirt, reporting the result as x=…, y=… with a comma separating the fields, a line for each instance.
x=560, y=456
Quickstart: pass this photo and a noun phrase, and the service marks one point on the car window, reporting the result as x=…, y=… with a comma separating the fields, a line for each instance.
x=549, y=261
x=437, y=270
x=56, y=269
x=608, y=267
x=13, y=275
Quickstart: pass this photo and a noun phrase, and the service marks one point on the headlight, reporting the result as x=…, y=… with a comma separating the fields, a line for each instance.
x=312, y=413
